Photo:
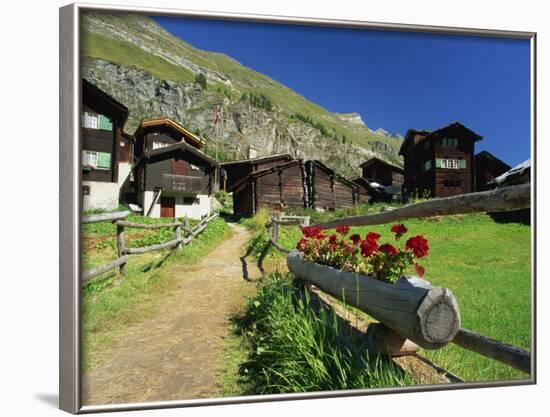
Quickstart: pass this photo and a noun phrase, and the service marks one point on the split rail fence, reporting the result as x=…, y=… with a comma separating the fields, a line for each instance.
x=183, y=235
x=411, y=309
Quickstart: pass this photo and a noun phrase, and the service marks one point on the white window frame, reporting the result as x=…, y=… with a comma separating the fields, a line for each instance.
x=87, y=156
x=90, y=120
x=86, y=160
x=427, y=165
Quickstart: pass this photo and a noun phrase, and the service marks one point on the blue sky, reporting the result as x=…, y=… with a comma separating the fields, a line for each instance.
x=395, y=80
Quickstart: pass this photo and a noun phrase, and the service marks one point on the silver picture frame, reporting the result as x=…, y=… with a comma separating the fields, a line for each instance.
x=70, y=205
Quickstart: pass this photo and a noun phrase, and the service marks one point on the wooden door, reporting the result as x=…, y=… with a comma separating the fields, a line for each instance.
x=167, y=207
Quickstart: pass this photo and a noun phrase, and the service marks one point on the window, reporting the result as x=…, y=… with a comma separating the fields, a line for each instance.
x=90, y=120
x=450, y=163
x=189, y=201
x=89, y=159
x=427, y=165
x=93, y=120
x=157, y=144
x=449, y=142
x=99, y=160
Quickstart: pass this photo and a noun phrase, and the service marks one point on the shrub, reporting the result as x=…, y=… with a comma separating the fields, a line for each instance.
x=200, y=79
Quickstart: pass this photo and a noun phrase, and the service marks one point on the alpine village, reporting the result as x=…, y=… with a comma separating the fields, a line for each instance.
x=238, y=239
x=162, y=171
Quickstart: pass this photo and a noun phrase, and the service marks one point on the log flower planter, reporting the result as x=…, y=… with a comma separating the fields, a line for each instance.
x=427, y=315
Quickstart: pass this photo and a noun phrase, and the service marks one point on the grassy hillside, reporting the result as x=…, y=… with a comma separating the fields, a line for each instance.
x=136, y=40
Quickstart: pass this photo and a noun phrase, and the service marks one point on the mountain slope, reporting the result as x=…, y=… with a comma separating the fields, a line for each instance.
x=154, y=74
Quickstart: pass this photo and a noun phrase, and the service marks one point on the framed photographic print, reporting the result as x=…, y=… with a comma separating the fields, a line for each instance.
x=255, y=208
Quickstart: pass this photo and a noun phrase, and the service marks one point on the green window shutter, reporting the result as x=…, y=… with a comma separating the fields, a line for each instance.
x=103, y=160
x=438, y=163
x=462, y=163
x=105, y=123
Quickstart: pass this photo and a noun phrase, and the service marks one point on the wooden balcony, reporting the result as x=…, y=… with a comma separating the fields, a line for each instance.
x=182, y=183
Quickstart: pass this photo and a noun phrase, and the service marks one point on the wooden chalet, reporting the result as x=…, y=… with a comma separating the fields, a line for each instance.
x=106, y=149
x=237, y=170
x=487, y=168
x=364, y=189
x=439, y=163
x=382, y=172
x=327, y=190
x=277, y=188
x=173, y=177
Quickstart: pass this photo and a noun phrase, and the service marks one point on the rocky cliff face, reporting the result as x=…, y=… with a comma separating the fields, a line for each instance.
x=342, y=141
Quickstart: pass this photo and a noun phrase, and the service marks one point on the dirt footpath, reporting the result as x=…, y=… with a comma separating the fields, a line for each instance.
x=177, y=354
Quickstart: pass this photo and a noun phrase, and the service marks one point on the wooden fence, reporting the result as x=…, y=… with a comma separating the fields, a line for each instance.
x=183, y=235
x=412, y=308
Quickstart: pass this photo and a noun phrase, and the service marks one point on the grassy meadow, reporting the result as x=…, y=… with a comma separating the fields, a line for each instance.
x=486, y=264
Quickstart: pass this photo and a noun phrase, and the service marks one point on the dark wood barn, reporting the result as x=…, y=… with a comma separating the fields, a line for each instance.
x=237, y=170
x=364, y=189
x=439, y=163
x=173, y=177
x=276, y=188
x=106, y=149
x=382, y=172
x=487, y=168
x=328, y=190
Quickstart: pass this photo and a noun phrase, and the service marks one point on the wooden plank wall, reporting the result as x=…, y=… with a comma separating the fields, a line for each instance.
x=326, y=191
x=293, y=187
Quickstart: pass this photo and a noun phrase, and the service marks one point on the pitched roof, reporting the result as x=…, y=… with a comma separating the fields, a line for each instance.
x=414, y=136
x=181, y=145
x=262, y=172
x=517, y=175
x=259, y=159
x=199, y=142
x=332, y=172
x=491, y=157
x=375, y=159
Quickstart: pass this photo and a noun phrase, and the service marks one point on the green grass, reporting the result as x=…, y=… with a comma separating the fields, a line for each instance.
x=294, y=348
x=486, y=264
x=108, y=310
x=124, y=53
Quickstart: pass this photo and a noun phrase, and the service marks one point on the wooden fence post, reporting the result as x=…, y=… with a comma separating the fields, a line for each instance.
x=275, y=226
x=304, y=221
x=177, y=236
x=121, y=244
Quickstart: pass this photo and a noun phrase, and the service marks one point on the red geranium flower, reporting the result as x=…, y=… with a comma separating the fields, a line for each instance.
x=303, y=245
x=343, y=229
x=418, y=245
x=388, y=249
x=399, y=230
x=372, y=236
x=419, y=269
x=355, y=239
x=311, y=231
x=368, y=247
x=332, y=239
